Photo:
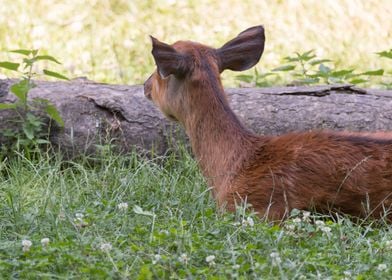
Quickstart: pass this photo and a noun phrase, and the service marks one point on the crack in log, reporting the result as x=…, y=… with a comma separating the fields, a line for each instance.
x=326, y=90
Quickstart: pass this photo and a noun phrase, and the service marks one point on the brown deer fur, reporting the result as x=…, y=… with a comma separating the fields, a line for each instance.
x=324, y=171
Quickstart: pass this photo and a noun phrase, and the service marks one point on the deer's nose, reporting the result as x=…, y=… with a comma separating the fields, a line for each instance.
x=147, y=88
x=147, y=94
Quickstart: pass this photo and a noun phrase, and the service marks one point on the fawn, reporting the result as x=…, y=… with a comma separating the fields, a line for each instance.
x=324, y=171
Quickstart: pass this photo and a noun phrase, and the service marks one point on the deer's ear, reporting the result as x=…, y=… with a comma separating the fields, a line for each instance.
x=244, y=51
x=168, y=60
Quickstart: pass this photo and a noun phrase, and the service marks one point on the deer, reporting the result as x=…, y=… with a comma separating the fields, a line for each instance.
x=320, y=170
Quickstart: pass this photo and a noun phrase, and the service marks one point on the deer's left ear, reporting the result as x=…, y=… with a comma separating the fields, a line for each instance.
x=168, y=60
x=242, y=52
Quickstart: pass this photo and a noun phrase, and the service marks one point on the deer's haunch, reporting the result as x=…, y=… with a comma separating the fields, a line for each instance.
x=346, y=172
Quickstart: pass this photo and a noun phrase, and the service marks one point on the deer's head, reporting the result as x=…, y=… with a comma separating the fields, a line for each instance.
x=185, y=68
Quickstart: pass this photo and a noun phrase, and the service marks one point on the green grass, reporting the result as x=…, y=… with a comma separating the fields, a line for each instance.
x=108, y=40
x=170, y=227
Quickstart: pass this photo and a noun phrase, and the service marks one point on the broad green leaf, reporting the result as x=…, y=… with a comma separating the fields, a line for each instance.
x=378, y=72
x=387, y=85
x=309, y=81
x=33, y=120
x=306, y=56
x=324, y=69
x=52, y=112
x=21, y=90
x=9, y=65
x=319, y=61
x=47, y=57
x=334, y=80
x=387, y=54
x=4, y=106
x=54, y=74
x=41, y=100
x=21, y=51
x=28, y=62
x=138, y=210
x=264, y=75
x=291, y=59
x=357, y=81
x=8, y=132
x=29, y=132
x=307, y=53
x=42, y=141
x=342, y=73
x=287, y=67
x=245, y=78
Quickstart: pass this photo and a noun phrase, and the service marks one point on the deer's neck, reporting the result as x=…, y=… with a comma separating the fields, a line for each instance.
x=218, y=139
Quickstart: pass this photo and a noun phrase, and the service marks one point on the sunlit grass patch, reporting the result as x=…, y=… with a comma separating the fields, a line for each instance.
x=108, y=40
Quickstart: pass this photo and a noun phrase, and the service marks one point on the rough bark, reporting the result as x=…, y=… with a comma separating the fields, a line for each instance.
x=95, y=113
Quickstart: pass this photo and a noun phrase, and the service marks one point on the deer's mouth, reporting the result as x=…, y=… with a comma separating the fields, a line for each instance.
x=148, y=88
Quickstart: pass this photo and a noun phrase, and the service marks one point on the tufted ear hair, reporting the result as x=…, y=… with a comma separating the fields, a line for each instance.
x=168, y=60
x=244, y=51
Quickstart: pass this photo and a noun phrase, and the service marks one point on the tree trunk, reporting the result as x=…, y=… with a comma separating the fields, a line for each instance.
x=96, y=114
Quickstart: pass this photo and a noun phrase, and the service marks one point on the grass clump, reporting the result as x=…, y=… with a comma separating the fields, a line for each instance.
x=134, y=218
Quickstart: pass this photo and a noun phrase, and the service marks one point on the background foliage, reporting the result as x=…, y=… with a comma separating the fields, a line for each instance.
x=107, y=40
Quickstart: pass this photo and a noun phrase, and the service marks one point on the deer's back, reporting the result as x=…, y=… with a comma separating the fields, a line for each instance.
x=351, y=173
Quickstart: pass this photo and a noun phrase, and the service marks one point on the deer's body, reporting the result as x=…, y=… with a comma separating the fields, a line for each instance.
x=347, y=172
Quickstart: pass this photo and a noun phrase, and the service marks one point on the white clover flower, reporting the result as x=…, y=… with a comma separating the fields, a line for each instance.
x=79, y=221
x=275, y=258
x=45, y=241
x=210, y=259
x=388, y=245
x=290, y=227
x=248, y=222
x=319, y=223
x=325, y=229
x=381, y=267
x=61, y=216
x=297, y=220
x=305, y=216
x=236, y=266
x=123, y=206
x=79, y=216
x=183, y=258
x=106, y=247
x=291, y=264
x=26, y=244
x=156, y=259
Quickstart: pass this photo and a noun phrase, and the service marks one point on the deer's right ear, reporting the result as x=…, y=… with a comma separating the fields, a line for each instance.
x=168, y=60
x=242, y=52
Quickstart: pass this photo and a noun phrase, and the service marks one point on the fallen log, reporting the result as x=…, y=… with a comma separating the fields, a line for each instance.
x=96, y=114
